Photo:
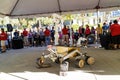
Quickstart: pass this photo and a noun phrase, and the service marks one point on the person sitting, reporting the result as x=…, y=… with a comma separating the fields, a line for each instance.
x=82, y=42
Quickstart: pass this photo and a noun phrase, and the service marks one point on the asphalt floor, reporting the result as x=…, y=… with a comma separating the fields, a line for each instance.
x=20, y=64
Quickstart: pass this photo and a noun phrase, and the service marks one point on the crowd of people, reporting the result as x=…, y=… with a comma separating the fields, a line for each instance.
x=36, y=38
x=29, y=38
x=44, y=37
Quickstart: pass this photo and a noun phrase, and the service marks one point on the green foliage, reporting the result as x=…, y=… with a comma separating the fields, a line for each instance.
x=75, y=27
x=24, y=26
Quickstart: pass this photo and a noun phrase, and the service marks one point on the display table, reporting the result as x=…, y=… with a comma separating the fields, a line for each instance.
x=17, y=43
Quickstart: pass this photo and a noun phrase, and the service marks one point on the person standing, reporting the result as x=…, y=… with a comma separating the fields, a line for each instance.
x=93, y=30
x=76, y=36
x=16, y=34
x=99, y=31
x=105, y=28
x=83, y=31
x=47, y=36
x=115, y=33
x=36, y=39
x=80, y=31
x=87, y=31
x=30, y=38
x=42, y=38
x=3, y=38
x=60, y=38
x=65, y=35
x=52, y=34
x=25, y=37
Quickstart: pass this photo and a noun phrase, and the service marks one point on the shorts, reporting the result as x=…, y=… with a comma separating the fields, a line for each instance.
x=65, y=37
x=3, y=42
x=26, y=39
x=116, y=39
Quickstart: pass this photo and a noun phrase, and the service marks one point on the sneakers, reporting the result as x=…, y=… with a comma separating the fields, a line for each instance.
x=3, y=51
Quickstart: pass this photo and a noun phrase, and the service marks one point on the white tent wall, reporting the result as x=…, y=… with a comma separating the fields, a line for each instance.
x=27, y=8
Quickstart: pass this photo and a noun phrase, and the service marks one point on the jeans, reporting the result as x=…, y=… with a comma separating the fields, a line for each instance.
x=47, y=40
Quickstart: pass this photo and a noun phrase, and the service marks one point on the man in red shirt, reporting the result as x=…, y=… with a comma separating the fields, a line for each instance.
x=65, y=35
x=3, y=38
x=47, y=36
x=115, y=33
x=87, y=31
x=25, y=36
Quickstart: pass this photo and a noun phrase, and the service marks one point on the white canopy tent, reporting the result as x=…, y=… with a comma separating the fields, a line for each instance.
x=32, y=8
x=19, y=8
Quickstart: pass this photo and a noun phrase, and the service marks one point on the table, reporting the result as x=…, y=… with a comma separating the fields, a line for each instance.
x=17, y=43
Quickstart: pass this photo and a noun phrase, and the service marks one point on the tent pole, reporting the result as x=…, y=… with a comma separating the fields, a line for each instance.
x=14, y=7
x=56, y=19
x=97, y=16
x=97, y=11
x=71, y=40
x=96, y=36
x=59, y=7
x=56, y=34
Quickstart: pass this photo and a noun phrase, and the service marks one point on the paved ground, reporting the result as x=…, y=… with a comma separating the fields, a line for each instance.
x=20, y=65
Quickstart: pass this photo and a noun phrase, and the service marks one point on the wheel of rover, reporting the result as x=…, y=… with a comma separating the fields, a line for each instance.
x=90, y=60
x=81, y=63
x=40, y=61
x=91, y=39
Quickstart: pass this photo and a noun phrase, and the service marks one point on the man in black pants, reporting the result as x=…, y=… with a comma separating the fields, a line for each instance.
x=115, y=33
x=52, y=32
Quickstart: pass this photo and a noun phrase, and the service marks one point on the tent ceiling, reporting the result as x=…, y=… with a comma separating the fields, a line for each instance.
x=39, y=7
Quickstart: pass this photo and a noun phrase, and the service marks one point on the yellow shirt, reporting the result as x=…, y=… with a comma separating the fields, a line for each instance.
x=99, y=30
